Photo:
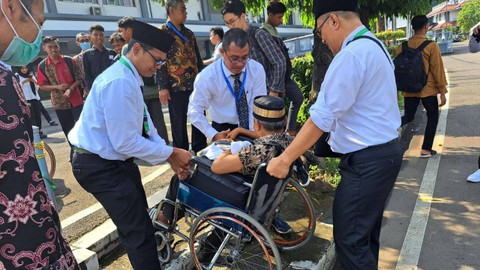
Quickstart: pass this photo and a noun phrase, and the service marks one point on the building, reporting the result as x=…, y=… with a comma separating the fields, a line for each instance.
x=66, y=18
x=443, y=19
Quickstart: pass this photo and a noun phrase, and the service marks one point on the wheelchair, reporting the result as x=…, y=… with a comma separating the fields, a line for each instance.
x=232, y=234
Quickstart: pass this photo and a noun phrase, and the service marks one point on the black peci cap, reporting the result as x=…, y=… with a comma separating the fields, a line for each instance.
x=152, y=36
x=321, y=7
x=269, y=109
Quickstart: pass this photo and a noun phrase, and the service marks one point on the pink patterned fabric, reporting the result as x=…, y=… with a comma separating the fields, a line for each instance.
x=30, y=235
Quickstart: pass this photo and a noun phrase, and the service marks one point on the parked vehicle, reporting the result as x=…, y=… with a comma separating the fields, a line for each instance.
x=299, y=46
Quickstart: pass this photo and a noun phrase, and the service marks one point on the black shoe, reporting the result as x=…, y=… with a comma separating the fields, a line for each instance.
x=281, y=226
x=43, y=135
x=53, y=123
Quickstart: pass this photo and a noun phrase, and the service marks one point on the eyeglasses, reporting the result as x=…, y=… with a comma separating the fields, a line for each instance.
x=318, y=31
x=231, y=22
x=238, y=60
x=158, y=62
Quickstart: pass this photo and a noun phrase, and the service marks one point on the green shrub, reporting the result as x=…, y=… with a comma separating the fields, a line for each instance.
x=330, y=172
x=302, y=68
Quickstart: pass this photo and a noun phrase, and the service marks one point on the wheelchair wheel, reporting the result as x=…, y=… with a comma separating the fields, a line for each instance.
x=164, y=250
x=294, y=221
x=231, y=239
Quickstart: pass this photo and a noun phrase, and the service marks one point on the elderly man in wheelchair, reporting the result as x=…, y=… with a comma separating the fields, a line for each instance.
x=240, y=216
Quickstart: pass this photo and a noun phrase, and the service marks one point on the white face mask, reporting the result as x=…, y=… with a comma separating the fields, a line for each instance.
x=19, y=52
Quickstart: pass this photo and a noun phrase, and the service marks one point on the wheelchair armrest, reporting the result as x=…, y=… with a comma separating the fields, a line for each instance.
x=202, y=161
x=244, y=138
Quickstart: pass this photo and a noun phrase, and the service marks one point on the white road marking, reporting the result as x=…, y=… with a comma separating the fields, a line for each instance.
x=92, y=209
x=412, y=244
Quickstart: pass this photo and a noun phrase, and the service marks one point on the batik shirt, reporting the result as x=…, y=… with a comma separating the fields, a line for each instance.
x=30, y=235
x=262, y=150
x=183, y=63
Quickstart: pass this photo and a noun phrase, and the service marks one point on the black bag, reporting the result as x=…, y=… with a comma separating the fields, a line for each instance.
x=283, y=48
x=69, y=62
x=228, y=188
x=410, y=74
x=323, y=149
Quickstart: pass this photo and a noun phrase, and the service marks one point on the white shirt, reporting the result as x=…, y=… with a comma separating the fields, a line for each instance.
x=357, y=102
x=216, y=53
x=211, y=93
x=9, y=67
x=112, y=118
x=27, y=88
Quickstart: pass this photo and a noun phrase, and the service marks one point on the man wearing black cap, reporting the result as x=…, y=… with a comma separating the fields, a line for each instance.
x=115, y=128
x=357, y=104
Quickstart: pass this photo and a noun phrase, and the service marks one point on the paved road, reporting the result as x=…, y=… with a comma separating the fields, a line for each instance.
x=433, y=215
x=443, y=231
x=71, y=198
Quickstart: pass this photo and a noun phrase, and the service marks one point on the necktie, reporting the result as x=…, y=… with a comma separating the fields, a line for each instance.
x=242, y=106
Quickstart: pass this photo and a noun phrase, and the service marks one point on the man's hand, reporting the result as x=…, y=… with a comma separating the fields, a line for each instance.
x=273, y=94
x=68, y=93
x=221, y=135
x=234, y=133
x=164, y=96
x=443, y=100
x=62, y=87
x=180, y=162
x=278, y=167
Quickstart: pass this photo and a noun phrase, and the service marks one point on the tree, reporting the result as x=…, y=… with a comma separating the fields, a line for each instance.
x=469, y=16
x=368, y=9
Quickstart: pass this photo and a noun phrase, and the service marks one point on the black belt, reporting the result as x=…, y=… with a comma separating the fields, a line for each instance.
x=370, y=147
x=382, y=144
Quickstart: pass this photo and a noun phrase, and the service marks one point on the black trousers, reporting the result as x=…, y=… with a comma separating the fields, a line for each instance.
x=431, y=106
x=35, y=112
x=45, y=113
x=118, y=187
x=368, y=177
x=178, y=106
x=155, y=109
x=223, y=126
x=294, y=94
x=68, y=118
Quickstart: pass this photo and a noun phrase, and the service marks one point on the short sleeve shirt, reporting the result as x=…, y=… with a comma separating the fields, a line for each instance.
x=261, y=151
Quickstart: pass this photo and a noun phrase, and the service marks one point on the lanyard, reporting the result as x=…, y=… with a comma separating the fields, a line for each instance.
x=361, y=32
x=178, y=32
x=145, y=120
x=237, y=98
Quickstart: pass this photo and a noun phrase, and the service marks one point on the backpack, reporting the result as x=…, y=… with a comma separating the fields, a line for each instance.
x=410, y=74
x=284, y=49
x=68, y=61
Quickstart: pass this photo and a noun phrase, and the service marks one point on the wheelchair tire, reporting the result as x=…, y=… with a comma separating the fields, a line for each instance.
x=164, y=250
x=50, y=160
x=232, y=240
x=296, y=210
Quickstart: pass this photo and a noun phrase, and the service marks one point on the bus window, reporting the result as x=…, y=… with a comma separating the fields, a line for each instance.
x=306, y=44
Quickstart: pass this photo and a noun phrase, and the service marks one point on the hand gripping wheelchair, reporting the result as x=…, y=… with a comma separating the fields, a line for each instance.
x=237, y=232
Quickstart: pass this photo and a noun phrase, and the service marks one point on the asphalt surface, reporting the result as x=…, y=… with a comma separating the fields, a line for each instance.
x=433, y=214
x=447, y=234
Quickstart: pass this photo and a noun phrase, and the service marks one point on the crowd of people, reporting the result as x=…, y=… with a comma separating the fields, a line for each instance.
x=109, y=105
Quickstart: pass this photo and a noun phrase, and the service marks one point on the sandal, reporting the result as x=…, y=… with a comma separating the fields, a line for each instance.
x=431, y=153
